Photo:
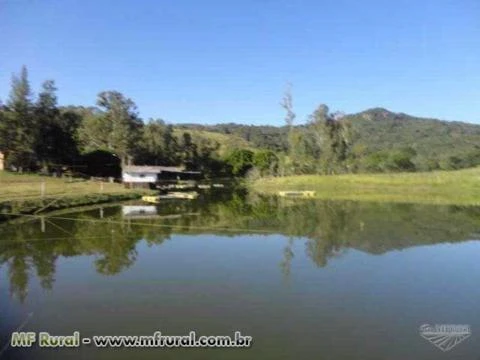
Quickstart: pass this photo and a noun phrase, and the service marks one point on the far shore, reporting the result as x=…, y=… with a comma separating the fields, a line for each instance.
x=34, y=194
x=461, y=187
x=23, y=194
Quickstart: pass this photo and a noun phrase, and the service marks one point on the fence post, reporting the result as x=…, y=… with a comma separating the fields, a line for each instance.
x=42, y=189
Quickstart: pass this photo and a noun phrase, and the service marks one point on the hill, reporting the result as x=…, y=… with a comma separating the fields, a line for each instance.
x=437, y=144
x=225, y=142
x=433, y=143
x=257, y=136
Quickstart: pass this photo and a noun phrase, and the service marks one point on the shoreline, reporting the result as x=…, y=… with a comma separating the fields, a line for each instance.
x=10, y=209
x=461, y=187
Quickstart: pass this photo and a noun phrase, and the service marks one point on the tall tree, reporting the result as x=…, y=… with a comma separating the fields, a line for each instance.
x=47, y=118
x=171, y=145
x=116, y=128
x=152, y=145
x=18, y=130
x=286, y=165
x=207, y=160
x=287, y=105
x=4, y=130
x=331, y=138
x=189, y=150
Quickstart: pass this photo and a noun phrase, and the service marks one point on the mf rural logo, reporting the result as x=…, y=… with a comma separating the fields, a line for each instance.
x=445, y=336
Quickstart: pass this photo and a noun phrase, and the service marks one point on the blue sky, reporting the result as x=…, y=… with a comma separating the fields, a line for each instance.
x=228, y=61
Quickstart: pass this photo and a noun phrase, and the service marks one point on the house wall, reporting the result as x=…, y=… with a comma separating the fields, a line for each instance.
x=130, y=177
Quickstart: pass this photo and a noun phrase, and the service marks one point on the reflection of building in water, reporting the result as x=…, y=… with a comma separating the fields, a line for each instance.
x=139, y=211
x=148, y=212
x=150, y=176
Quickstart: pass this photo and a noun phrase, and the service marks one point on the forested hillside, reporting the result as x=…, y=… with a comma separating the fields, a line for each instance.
x=38, y=134
x=261, y=136
x=378, y=133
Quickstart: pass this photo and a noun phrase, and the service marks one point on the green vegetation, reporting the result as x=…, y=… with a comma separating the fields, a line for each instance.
x=37, y=134
x=324, y=229
x=375, y=140
x=26, y=194
x=224, y=143
x=438, y=187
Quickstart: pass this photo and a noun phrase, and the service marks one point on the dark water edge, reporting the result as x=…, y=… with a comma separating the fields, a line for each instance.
x=305, y=278
x=11, y=209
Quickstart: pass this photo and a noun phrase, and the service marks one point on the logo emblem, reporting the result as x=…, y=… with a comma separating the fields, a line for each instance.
x=445, y=336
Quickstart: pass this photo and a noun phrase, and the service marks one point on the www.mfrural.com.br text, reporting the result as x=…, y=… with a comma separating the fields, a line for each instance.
x=156, y=340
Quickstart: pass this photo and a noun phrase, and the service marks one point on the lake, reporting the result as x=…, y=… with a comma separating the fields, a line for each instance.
x=304, y=278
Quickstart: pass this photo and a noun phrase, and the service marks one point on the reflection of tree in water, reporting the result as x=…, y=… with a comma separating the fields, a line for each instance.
x=331, y=227
x=288, y=255
x=18, y=271
x=22, y=256
x=328, y=228
x=112, y=245
x=328, y=234
x=44, y=262
x=26, y=248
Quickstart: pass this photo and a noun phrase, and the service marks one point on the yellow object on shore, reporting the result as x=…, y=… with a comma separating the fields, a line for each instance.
x=297, y=193
x=151, y=199
x=171, y=195
x=183, y=195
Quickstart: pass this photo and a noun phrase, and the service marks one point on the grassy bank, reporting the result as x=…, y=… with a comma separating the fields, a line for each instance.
x=460, y=187
x=27, y=194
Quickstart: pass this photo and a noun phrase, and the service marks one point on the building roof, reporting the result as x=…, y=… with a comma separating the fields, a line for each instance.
x=151, y=169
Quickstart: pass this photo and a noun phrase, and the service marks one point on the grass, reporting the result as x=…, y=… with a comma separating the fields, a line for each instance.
x=25, y=193
x=461, y=187
x=24, y=186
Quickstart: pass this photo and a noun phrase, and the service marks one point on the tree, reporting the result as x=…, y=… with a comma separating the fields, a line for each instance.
x=401, y=160
x=331, y=139
x=171, y=145
x=5, y=137
x=301, y=154
x=207, y=160
x=287, y=105
x=241, y=160
x=189, y=150
x=47, y=145
x=116, y=128
x=94, y=132
x=18, y=128
x=266, y=162
x=390, y=160
x=152, y=145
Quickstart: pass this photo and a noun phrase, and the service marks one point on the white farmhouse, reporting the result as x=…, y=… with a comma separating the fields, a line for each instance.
x=145, y=176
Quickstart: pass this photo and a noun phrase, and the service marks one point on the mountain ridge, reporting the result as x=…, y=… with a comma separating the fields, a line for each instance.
x=437, y=144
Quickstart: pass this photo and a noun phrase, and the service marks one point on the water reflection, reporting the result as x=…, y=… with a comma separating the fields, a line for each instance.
x=32, y=246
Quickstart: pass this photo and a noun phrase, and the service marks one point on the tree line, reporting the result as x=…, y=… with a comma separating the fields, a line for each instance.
x=372, y=141
x=326, y=228
x=38, y=134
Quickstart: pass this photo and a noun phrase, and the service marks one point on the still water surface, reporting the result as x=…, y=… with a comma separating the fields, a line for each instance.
x=305, y=278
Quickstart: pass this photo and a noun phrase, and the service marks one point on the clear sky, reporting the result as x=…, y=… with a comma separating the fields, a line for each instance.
x=213, y=61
